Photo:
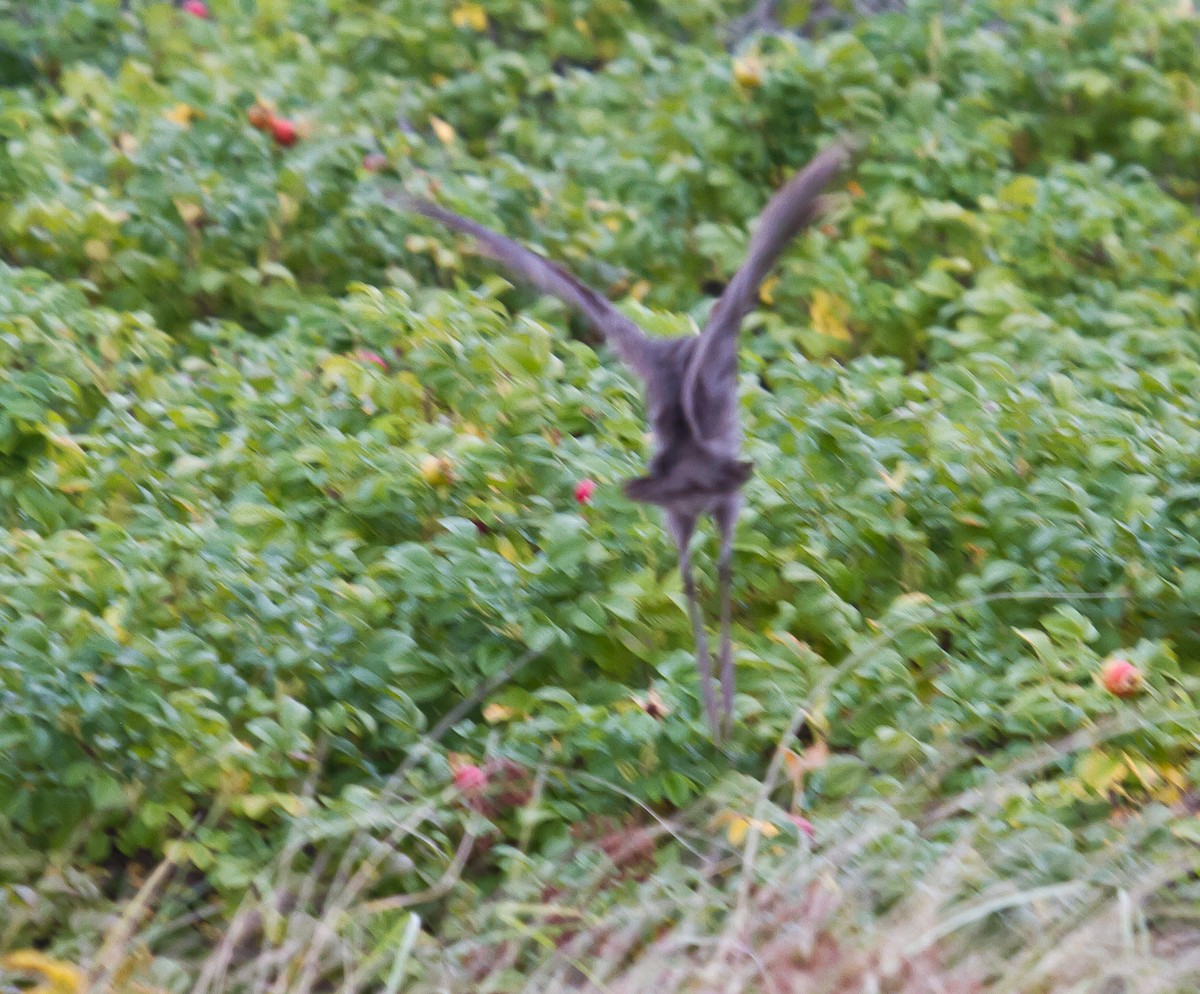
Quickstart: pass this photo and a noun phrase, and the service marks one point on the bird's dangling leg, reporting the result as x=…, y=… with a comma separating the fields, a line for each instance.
x=726, y=516
x=681, y=527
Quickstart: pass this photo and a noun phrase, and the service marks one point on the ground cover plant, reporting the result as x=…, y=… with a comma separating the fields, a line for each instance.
x=331, y=656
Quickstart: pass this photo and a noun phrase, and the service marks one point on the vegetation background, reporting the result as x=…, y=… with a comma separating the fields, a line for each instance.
x=316, y=675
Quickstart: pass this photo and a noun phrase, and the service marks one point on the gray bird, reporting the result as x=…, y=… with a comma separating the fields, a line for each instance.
x=691, y=388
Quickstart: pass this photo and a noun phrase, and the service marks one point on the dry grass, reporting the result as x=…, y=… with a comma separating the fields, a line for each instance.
x=896, y=896
x=923, y=891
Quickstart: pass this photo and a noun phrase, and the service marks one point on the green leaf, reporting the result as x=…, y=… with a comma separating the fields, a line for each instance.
x=1099, y=772
x=107, y=793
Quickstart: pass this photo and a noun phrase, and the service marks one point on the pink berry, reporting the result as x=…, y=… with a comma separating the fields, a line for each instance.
x=374, y=161
x=803, y=824
x=1121, y=677
x=470, y=779
x=366, y=355
x=584, y=490
x=197, y=8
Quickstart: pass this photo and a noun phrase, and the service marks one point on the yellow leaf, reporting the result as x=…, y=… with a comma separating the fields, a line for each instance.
x=639, y=290
x=740, y=825
x=1167, y=795
x=766, y=292
x=292, y=804
x=748, y=71
x=1022, y=191
x=289, y=208
x=1174, y=776
x=181, y=114
x=497, y=712
x=234, y=781
x=828, y=315
x=113, y=615
x=896, y=483
x=96, y=250
x=60, y=977
x=507, y=550
x=469, y=15
x=68, y=445
x=253, y=805
x=1141, y=769
x=446, y=134
x=190, y=212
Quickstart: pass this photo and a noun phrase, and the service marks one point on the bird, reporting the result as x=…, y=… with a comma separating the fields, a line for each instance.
x=690, y=386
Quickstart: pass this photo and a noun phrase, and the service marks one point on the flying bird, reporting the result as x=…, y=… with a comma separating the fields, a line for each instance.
x=690, y=388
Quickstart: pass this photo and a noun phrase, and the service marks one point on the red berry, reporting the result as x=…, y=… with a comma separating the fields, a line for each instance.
x=584, y=490
x=1121, y=677
x=197, y=8
x=366, y=355
x=374, y=162
x=470, y=779
x=284, y=131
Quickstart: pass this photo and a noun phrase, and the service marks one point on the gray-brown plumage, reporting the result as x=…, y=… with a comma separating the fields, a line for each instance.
x=691, y=388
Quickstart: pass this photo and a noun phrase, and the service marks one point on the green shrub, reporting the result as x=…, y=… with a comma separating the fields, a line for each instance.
x=230, y=594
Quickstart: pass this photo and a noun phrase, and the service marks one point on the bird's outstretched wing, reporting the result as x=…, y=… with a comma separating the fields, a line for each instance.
x=709, y=386
x=622, y=335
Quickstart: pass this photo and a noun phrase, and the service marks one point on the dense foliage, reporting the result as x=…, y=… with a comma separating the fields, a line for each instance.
x=234, y=589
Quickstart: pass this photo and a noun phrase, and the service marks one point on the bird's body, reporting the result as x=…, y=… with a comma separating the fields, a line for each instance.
x=686, y=469
x=691, y=389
